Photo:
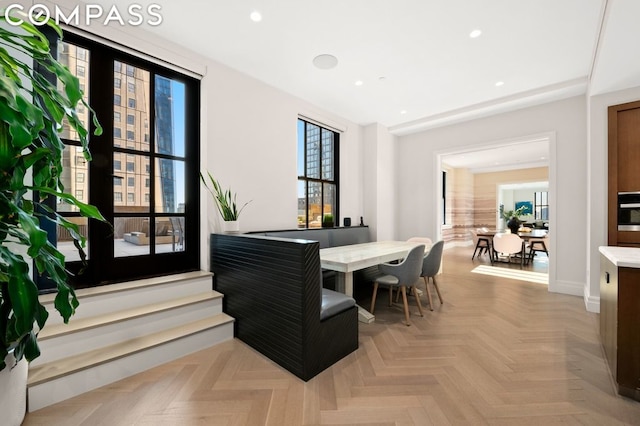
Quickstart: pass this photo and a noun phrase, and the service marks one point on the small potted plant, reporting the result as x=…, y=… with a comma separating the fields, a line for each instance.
x=327, y=221
x=226, y=203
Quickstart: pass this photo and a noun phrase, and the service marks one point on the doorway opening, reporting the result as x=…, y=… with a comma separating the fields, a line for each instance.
x=474, y=175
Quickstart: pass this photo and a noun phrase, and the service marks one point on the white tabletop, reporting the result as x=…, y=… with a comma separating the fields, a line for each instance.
x=626, y=257
x=353, y=257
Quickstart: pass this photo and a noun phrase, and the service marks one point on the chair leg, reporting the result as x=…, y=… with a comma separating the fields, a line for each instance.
x=391, y=295
x=373, y=298
x=474, y=252
x=417, y=296
x=426, y=284
x=435, y=284
x=403, y=289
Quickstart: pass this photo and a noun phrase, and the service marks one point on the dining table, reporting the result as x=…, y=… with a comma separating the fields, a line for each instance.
x=353, y=257
x=524, y=235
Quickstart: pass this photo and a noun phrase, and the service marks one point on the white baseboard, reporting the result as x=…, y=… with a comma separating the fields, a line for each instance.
x=592, y=303
x=452, y=244
x=568, y=287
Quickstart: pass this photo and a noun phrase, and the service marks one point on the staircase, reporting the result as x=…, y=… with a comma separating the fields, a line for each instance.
x=122, y=329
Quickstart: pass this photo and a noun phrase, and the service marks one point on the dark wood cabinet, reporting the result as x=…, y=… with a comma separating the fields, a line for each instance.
x=623, y=159
x=620, y=324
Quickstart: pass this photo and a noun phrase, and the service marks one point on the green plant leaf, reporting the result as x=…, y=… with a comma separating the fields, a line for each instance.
x=86, y=210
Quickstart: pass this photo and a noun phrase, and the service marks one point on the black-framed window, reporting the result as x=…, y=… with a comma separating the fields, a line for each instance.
x=318, y=170
x=541, y=205
x=168, y=158
x=444, y=197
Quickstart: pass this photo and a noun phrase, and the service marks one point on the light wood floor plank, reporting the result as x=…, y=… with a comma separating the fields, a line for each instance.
x=500, y=351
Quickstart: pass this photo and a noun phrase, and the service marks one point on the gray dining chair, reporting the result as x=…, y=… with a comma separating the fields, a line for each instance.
x=404, y=274
x=430, y=267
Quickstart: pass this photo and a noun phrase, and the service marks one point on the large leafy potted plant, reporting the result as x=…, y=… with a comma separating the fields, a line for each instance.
x=512, y=217
x=37, y=95
x=226, y=203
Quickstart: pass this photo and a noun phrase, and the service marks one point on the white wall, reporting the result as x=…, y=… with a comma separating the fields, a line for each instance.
x=598, y=185
x=511, y=196
x=251, y=144
x=379, y=181
x=417, y=186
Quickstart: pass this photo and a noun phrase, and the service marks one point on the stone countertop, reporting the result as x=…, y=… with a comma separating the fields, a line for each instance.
x=626, y=257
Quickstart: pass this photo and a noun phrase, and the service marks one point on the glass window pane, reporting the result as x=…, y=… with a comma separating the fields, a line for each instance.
x=170, y=116
x=76, y=58
x=315, y=204
x=302, y=204
x=137, y=109
x=131, y=173
x=65, y=240
x=301, y=151
x=170, y=234
x=327, y=155
x=74, y=177
x=313, y=151
x=169, y=186
x=330, y=200
x=131, y=236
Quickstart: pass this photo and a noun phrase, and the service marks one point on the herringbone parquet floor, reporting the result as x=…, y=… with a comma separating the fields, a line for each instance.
x=499, y=351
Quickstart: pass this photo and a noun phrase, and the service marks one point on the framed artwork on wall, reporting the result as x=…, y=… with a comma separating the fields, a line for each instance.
x=528, y=207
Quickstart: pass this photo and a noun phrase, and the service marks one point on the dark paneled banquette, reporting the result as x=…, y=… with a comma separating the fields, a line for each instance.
x=272, y=287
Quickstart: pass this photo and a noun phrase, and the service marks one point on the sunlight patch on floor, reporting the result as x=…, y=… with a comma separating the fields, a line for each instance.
x=534, y=277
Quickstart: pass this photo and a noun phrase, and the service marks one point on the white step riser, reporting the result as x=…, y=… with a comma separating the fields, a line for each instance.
x=59, y=347
x=75, y=384
x=117, y=301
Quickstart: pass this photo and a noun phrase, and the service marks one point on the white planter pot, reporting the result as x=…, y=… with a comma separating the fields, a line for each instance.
x=231, y=226
x=13, y=391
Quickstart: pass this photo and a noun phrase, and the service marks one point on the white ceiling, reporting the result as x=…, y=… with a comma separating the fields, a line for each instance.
x=521, y=155
x=418, y=66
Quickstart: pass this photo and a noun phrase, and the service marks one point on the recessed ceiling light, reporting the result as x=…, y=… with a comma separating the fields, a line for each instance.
x=499, y=83
x=256, y=16
x=475, y=33
x=358, y=83
x=325, y=61
x=404, y=111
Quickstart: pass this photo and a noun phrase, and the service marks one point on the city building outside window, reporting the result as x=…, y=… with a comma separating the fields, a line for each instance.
x=161, y=167
x=318, y=183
